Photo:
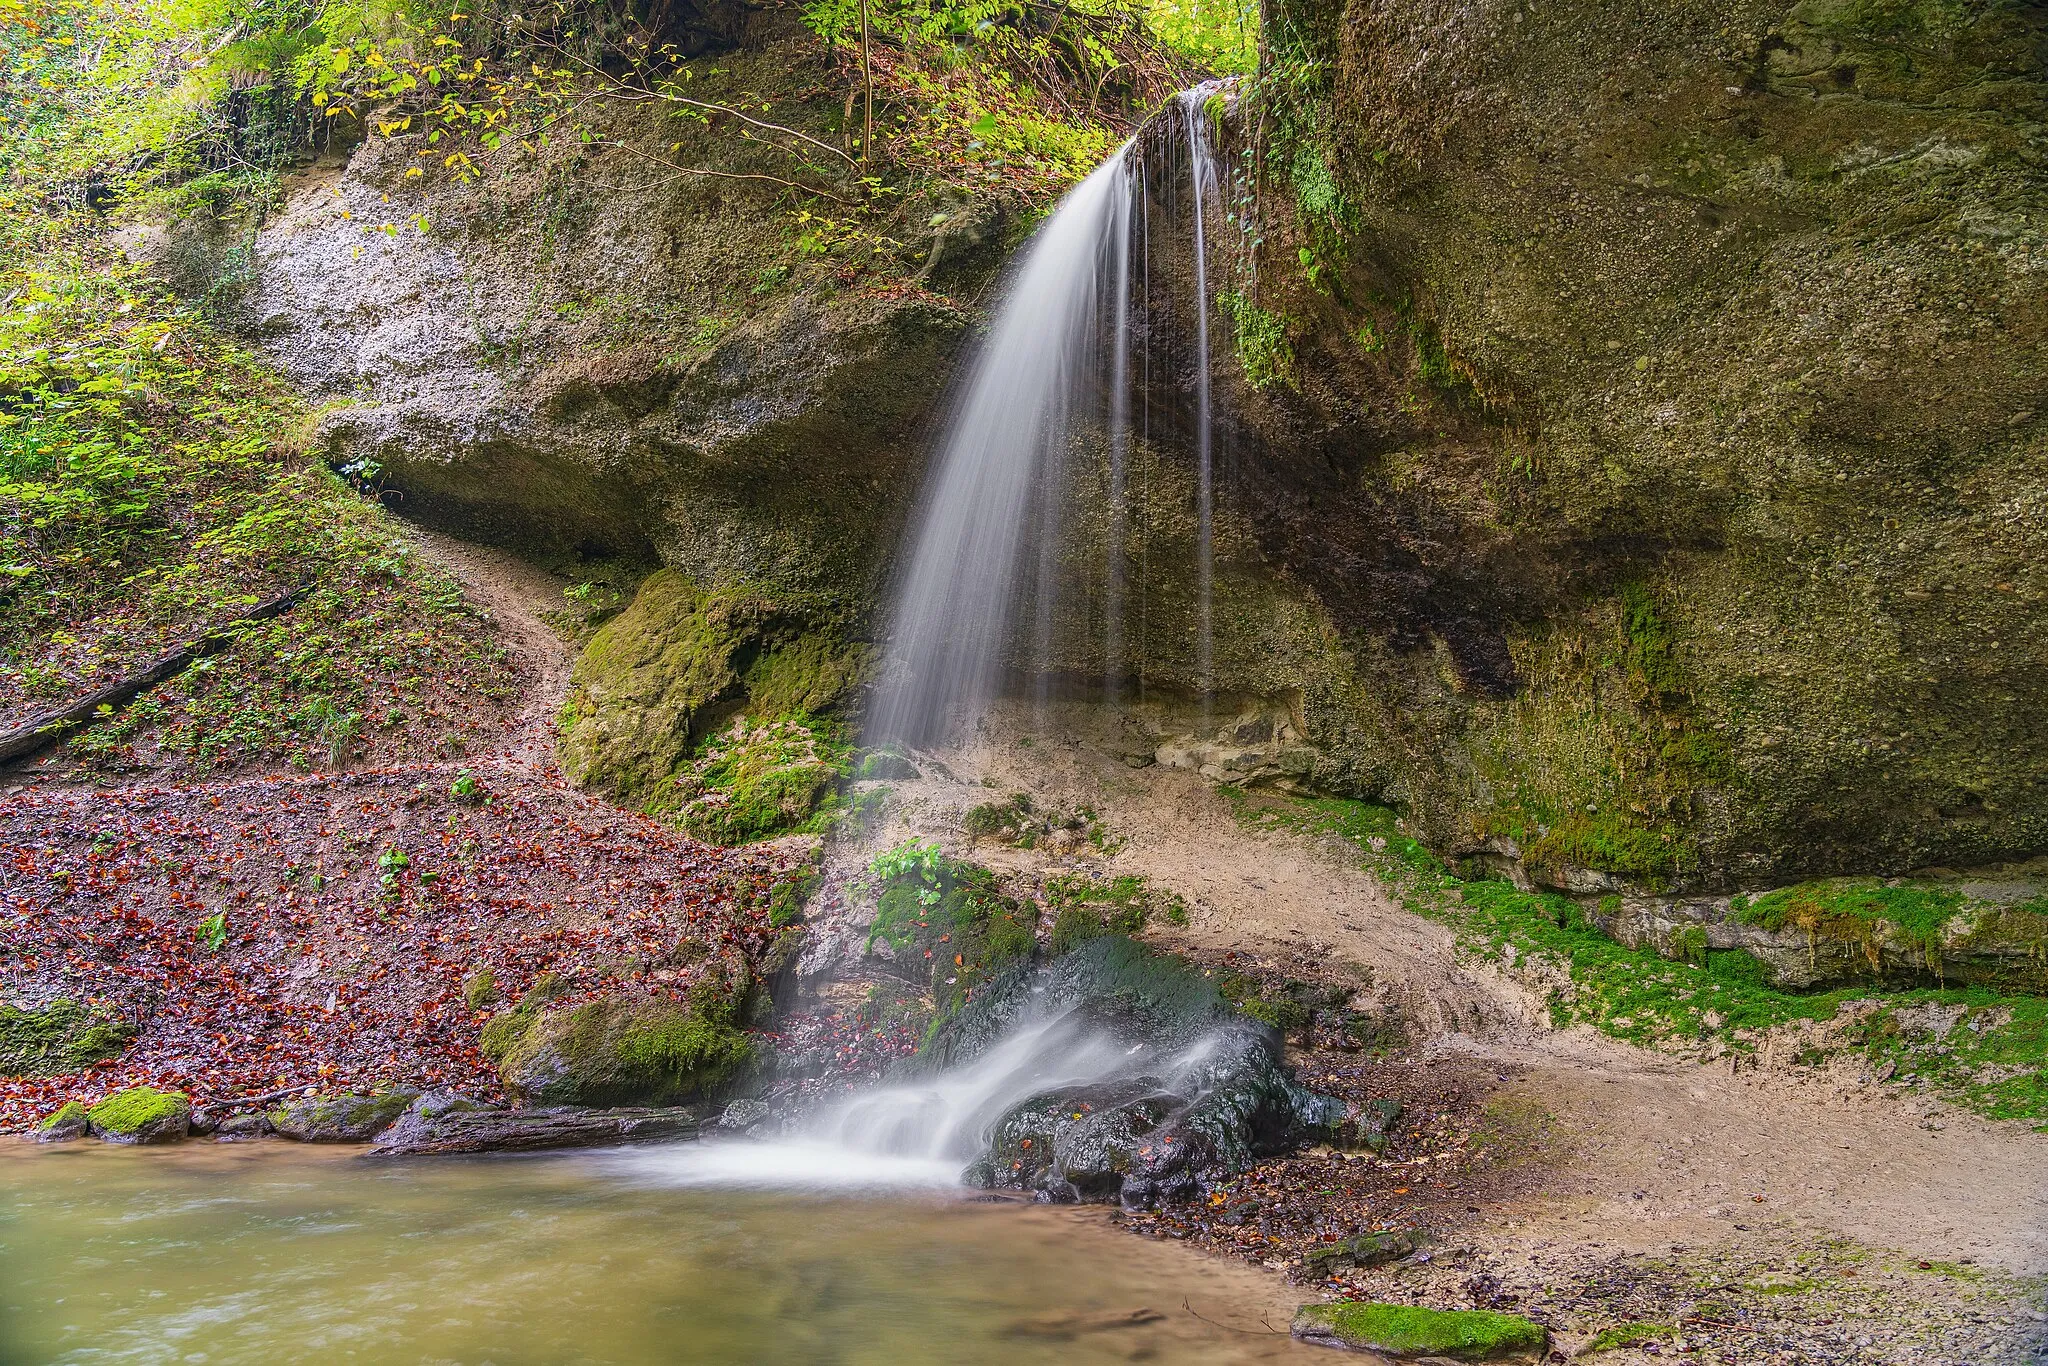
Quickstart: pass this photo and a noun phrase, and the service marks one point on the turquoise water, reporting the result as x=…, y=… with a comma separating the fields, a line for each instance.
x=277, y=1253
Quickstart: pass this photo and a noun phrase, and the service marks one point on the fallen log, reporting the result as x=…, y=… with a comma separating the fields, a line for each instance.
x=443, y=1123
x=44, y=729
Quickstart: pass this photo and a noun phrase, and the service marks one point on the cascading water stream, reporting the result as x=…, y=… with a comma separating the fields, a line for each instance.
x=999, y=486
x=923, y=1132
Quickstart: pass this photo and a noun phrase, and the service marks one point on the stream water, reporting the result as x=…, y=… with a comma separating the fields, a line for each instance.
x=275, y=1253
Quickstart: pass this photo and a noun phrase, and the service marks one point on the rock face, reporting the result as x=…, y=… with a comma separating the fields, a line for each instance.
x=1203, y=1094
x=443, y=1122
x=1644, y=473
x=1665, y=430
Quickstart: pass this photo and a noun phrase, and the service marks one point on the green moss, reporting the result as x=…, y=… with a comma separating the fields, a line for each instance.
x=1652, y=655
x=61, y=1038
x=501, y=1035
x=1087, y=907
x=69, y=1113
x=480, y=989
x=659, y=674
x=1654, y=856
x=1263, y=349
x=1858, y=911
x=956, y=913
x=1628, y=1335
x=1995, y=1059
x=616, y=1052
x=129, y=1112
x=1407, y=1330
x=759, y=780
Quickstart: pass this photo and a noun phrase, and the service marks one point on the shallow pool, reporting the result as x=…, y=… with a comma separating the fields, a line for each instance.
x=277, y=1253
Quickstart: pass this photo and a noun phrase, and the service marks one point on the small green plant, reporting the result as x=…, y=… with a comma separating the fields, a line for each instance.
x=213, y=931
x=1263, y=348
x=466, y=789
x=391, y=865
x=920, y=863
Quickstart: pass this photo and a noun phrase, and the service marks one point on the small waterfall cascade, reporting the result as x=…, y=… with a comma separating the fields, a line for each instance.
x=922, y=1132
x=1066, y=356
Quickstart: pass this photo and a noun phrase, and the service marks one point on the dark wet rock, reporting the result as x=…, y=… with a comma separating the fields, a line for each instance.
x=141, y=1114
x=63, y=1125
x=1366, y=1249
x=1206, y=1093
x=242, y=1128
x=339, y=1119
x=1067, y=1324
x=1408, y=1332
x=743, y=1115
x=443, y=1122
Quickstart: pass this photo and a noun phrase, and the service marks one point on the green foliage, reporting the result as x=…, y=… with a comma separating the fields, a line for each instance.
x=149, y=487
x=213, y=931
x=918, y=866
x=1994, y=1059
x=1263, y=349
x=61, y=1038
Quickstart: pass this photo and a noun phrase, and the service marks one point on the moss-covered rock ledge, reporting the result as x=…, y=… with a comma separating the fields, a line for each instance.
x=1406, y=1331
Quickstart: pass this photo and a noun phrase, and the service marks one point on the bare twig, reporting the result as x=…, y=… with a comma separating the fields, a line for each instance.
x=631, y=150
x=1249, y=1332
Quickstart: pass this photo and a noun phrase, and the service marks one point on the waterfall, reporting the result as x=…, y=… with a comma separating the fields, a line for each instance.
x=1202, y=164
x=992, y=511
x=1005, y=444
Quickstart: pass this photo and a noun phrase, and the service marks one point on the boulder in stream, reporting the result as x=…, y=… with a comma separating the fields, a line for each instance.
x=141, y=1114
x=339, y=1119
x=1197, y=1094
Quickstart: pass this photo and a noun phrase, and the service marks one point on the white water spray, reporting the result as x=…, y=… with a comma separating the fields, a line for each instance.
x=918, y=1134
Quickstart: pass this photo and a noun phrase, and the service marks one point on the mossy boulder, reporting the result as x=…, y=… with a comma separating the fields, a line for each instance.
x=58, y=1039
x=62, y=1125
x=1402, y=1330
x=667, y=672
x=621, y=1051
x=339, y=1119
x=141, y=1114
x=753, y=781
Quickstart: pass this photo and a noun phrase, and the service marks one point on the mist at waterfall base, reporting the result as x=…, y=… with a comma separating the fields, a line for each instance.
x=913, y=1134
x=986, y=535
